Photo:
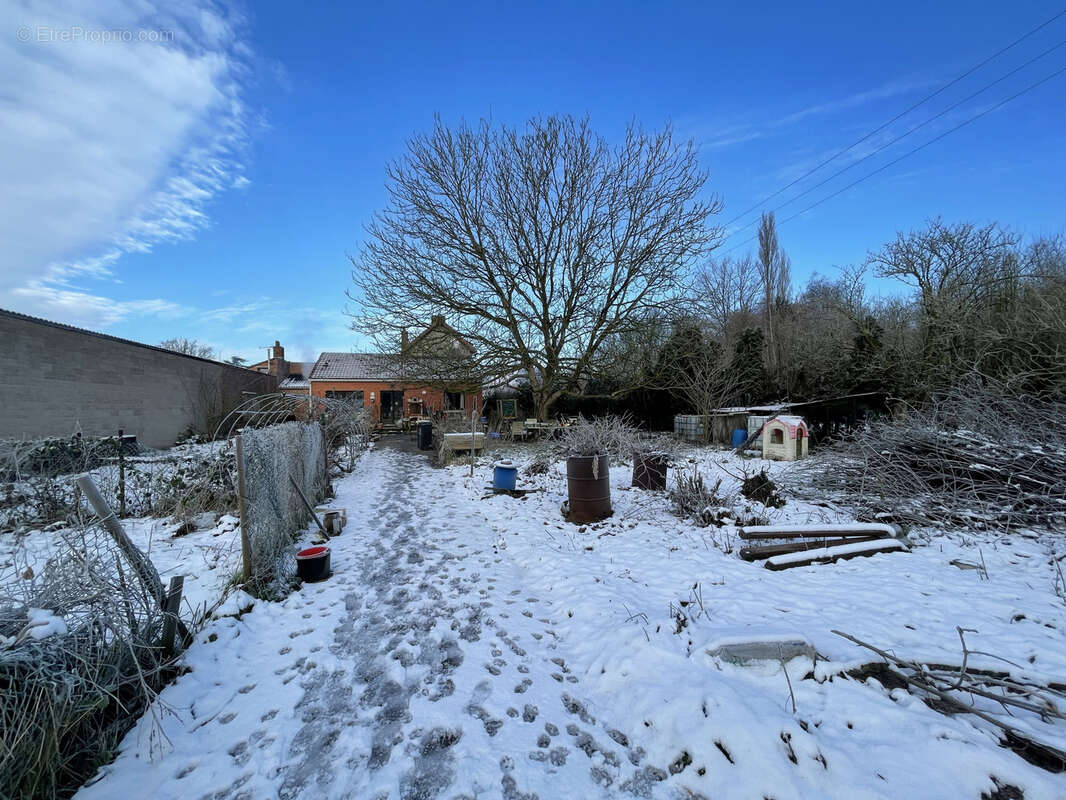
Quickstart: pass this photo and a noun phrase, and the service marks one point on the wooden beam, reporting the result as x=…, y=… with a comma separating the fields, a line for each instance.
x=876, y=529
x=170, y=609
x=827, y=556
x=768, y=550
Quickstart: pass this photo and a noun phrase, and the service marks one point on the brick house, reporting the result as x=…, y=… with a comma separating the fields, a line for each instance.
x=380, y=381
x=293, y=376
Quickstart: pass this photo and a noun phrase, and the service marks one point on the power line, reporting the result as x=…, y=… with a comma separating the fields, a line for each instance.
x=911, y=152
x=880, y=128
x=904, y=135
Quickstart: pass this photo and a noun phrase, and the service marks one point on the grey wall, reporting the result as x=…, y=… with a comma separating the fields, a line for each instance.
x=55, y=380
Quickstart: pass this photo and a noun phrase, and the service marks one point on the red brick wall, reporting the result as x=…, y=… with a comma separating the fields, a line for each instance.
x=432, y=399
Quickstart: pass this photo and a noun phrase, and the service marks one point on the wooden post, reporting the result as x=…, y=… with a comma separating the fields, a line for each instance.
x=308, y=506
x=473, y=433
x=110, y=522
x=170, y=610
x=242, y=504
x=121, y=476
x=140, y=563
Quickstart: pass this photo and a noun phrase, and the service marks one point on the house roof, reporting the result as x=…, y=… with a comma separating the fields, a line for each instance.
x=355, y=367
x=439, y=325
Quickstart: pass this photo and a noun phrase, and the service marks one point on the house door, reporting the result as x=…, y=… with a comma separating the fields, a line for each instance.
x=799, y=443
x=391, y=406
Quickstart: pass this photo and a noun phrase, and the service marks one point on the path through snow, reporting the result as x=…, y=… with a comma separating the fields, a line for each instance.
x=423, y=668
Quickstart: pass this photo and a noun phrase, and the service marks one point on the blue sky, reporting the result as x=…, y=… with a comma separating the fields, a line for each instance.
x=209, y=180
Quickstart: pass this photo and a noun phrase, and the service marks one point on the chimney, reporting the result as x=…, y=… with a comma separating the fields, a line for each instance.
x=403, y=339
x=277, y=365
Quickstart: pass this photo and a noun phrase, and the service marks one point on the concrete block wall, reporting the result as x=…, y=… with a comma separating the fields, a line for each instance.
x=56, y=380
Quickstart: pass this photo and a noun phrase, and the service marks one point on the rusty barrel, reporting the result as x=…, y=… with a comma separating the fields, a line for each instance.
x=649, y=471
x=589, y=482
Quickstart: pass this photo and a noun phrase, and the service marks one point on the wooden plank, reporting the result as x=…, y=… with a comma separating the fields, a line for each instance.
x=828, y=556
x=310, y=508
x=751, y=439
x=242, y=507
x=140, y=563
x=819, y=533
x=769, y=550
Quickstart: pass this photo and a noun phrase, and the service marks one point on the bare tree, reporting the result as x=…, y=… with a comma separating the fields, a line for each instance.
x=189, y=347
x=693, y=366
x=729, y=295
x=774, y=272
x=956, y=270
x=538, y=244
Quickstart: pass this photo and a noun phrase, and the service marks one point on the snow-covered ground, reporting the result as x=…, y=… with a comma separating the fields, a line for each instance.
x=481, y=647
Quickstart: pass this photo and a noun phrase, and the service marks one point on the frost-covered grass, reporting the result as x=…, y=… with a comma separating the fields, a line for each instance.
x=208, y=557
x=596, y=637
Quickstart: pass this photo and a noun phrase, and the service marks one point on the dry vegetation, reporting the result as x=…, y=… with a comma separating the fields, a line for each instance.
x=976, y=455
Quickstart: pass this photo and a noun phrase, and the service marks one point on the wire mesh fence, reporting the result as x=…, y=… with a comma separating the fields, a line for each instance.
x=277, y=464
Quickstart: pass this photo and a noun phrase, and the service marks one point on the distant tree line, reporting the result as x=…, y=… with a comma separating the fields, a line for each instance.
x=981, y=301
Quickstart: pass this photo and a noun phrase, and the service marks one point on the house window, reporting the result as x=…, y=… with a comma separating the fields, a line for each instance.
x=777, y=436
x=354, y=398
x=453, y=401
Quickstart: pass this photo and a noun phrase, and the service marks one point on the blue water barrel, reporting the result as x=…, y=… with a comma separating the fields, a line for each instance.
x=503, y=475
x=739, y=437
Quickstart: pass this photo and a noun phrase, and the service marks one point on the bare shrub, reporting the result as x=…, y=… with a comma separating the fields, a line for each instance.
x=610, y=435
x=691, y=498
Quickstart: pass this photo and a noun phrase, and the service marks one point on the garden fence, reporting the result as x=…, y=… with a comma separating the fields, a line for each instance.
x=277, y=464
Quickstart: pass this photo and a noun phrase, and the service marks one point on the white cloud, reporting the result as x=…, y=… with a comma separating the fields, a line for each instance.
x=111, y=147
x=714, y=135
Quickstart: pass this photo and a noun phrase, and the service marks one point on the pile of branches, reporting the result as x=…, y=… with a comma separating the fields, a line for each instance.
x=976, y=455
x=68, y=697
x=1011, y=704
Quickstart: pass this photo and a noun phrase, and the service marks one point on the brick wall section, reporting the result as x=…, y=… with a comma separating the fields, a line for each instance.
x=55, y=380
x=433, y=398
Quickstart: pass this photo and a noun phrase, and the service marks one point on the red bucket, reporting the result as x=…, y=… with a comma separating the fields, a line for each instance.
x=312, y=564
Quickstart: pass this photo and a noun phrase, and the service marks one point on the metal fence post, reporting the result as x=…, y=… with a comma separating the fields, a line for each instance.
x=242, y=502
x=121, y=475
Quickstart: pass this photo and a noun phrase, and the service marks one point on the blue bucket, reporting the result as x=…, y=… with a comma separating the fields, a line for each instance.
x=503, y=475
x=739, y=437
